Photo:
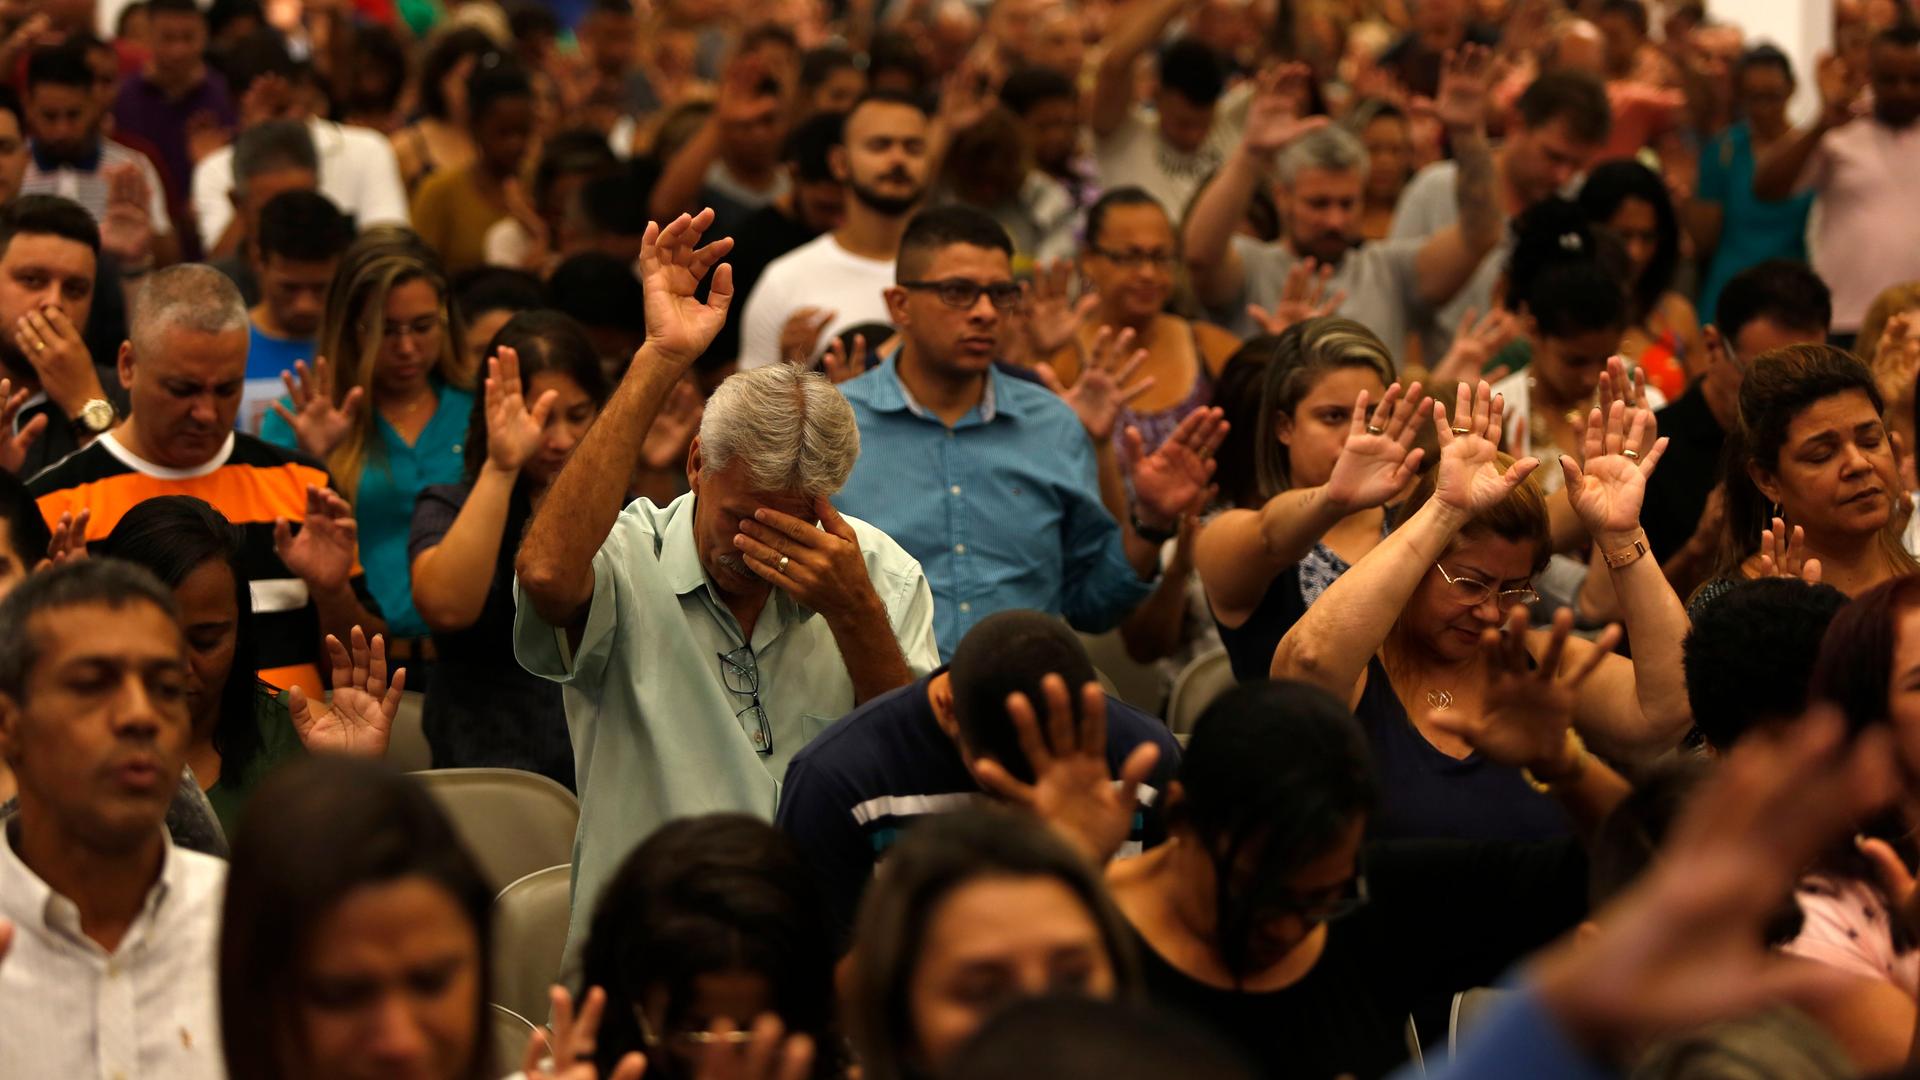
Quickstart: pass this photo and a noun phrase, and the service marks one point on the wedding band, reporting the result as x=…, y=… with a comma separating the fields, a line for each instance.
x=40, y=346
x=1376, y=429
x=783, y=563
x=1630, y=455
x=1463, y=431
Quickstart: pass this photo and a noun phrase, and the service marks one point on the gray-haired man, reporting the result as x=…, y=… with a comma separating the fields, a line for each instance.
x=1386, y=286
x=703, y=643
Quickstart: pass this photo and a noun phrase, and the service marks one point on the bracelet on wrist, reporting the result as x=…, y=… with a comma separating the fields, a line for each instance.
x=1152, y=535
x=1573, y=765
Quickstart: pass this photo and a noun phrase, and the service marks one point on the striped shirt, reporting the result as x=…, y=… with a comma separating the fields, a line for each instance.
x=88, y=187
x=252, y=483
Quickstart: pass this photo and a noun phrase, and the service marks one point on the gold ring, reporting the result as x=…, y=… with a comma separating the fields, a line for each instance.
x=1376, y=429
x=783, y=563
x=40, y=345
x=1463, y=431
x=1630, y=455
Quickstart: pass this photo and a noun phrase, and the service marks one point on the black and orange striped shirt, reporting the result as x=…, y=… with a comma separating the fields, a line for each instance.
x=252, y=483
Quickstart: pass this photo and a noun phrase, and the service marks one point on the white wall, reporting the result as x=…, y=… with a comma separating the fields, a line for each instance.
x=1801, y=28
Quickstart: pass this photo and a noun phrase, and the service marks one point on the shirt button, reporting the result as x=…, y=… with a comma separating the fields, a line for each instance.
x=959, y=549
x=955, y=489
x=965, y=607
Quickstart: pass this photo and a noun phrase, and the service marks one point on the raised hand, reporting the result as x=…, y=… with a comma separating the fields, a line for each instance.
x=568, y=1053
x=1052, y=318
x=1378, y=459
x=126, y=229
x=13, y=448
x=322, y=553
x=1841, y=90
x=820, y=566
x=672, y=263
x=1785, y=554
x=840, y=364
x=359, y=719
x=69, y=540
x=1608, y=488
x=674, y=427
x=1176, y=479
x=1306, y=293
x=1470, y=477
x=800, y=334
x=319, y=425
x=1466, y=81
x=1527, y=710
x=1276, y=115
x=1476, y=341
x=1073, y=787
x=1103, y=389
x=514, y=432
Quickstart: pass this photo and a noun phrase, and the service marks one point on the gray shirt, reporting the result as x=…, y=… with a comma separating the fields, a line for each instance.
x=1429, y=203
x=1379, y=278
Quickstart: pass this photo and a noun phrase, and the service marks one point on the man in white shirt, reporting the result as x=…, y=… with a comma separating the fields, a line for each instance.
x=357, y=168
x=113, y=967
x=883, y=161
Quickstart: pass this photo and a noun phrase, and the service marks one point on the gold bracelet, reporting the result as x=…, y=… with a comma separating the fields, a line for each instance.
x=1576, y=765
x=1627, y=556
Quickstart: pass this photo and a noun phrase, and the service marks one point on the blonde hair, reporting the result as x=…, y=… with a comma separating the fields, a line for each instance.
x=1521, y=516
x=355, y=325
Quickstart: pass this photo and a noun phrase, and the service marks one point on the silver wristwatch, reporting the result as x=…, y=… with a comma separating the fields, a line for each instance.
x=95, y=418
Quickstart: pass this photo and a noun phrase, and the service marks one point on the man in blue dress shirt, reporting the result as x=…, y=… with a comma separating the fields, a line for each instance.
x=991, y=481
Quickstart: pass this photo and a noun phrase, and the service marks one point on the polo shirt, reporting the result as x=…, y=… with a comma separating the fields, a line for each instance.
x=393, y=477
x=149, y=1009
x=887, y=764
x=657, y=732
x=249, y=481
x=1378, y=276
x=1002, y=509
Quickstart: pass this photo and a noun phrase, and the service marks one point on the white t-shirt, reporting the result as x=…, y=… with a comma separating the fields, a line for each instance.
x=820, y=274
x=357, y=171
x=1134, y=154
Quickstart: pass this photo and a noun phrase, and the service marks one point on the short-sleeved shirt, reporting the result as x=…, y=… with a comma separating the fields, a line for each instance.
x=163, y=120
x=1846, y=924
x=819, y=274
x=250, y=482
x=267, y=357
x=658, y=732
x=86, y=182
x=395, y=474
x=483, y=709
x=1752, y=229
x=452, y=215
x=1866, y=222
x=887, y=764
x=358, y=171
x=1135, y=155
x=1429, y=203
x=1002, y=509
x=1379, y=278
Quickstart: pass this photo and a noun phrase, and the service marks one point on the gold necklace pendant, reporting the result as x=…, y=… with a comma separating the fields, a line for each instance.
x=1440, y=700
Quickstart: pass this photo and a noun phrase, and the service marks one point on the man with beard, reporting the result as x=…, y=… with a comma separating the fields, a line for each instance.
x=1321, y=172
x=183, y=371
x=883, y=160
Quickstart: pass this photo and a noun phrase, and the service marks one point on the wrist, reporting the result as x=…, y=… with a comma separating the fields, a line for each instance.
x=1614, y=543
x=73, y=402
x=1565, y=766
x=494, y=468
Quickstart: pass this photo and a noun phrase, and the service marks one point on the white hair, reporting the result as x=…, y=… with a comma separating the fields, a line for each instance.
x=1333, y=149
x=791, y=429
x=191, y=296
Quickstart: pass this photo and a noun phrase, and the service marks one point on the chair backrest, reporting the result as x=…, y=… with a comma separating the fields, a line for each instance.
x=1142, y=686
x=529, y=934
x=513, y=822
x=407, y=749
x=1470, y=1008
x=508, y=1031
x=1199, y=685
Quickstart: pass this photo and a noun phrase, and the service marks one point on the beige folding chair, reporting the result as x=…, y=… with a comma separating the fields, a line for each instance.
x=529, y=934
x=513, y=822
x=1139, y=685
x=508, y=1033
x=1199, y=685
x=407, y=750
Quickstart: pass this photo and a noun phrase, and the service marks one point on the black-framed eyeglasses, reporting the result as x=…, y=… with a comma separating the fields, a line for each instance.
x=1469, y=592
x=964, y=293
x=1134, y=259
x=742, y=675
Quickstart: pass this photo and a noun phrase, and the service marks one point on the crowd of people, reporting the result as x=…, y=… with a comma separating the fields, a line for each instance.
x=767, y=421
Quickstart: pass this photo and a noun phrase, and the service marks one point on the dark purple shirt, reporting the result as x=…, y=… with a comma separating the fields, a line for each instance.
x=144, y=109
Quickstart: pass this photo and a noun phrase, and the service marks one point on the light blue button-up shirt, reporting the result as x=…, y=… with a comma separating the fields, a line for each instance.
x=657, y=733
x=1002, y=509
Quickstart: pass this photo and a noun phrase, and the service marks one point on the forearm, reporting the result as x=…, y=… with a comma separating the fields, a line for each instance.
x=870, y=651
x=340, y=610
x=1154, y=630
x=1142, y=554
x=555, y=563
x=452, y=578
x=228, y=241
x=1703, y=219
x=1777, y=170
x=1479, y=211
x=1208, y=235
x=679, y=185
x=1139, y=27
x=1332, y=642
x=1591, y=795
x=1656, y=623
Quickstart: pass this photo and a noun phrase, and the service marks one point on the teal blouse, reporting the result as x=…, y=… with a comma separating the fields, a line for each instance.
x=394, y=476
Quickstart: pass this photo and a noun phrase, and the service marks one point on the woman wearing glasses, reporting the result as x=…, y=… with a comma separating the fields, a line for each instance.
x=1398, y=635
x=385, y=406
x=1128, y=266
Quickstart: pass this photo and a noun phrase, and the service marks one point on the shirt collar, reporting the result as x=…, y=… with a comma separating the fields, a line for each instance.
x=27, y=893
x=890, y=394
x=680, y=566
x=86, y=163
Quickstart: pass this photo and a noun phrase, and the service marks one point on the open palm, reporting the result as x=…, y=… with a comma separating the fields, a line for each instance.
x=359, y=720
x=1275, y=115
x=319, y=423
x=1608, y=489
x=1470, y=477
x=1378, y=458
x=514, y=432
x=679, y=325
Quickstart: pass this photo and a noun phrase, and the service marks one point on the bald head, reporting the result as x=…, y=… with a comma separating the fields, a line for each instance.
x=1578, y=45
